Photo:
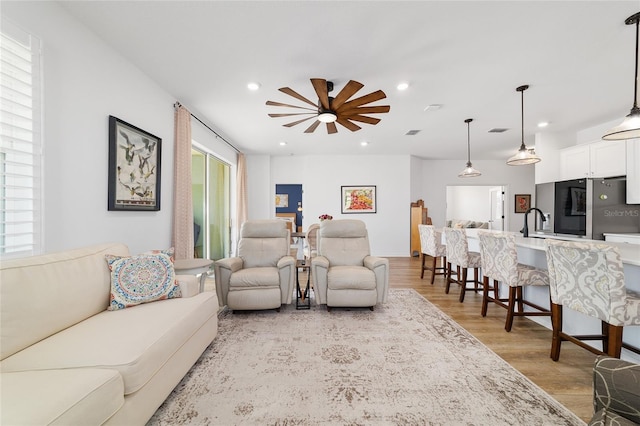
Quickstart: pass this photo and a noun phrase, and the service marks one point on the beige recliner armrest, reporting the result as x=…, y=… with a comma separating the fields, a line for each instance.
x=286, y=271
x=223, y=269
x=380, y=267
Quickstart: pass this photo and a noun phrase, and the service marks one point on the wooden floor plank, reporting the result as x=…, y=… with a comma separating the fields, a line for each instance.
x=526, y=347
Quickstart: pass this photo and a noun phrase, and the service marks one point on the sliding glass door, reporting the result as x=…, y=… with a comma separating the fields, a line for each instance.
x=211, y=205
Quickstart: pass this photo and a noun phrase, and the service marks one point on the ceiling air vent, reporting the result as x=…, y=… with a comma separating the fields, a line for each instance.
x=412, y=132
x=498, y=130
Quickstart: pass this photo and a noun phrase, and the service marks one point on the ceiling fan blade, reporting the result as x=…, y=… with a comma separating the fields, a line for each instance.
x=290, y=114
x=347, y=91
x=290, y=106
x=297, y=122
x=296, y=95
x=371, y=97
x=363, y=119
x=320, y=85
x=349, y=125
x=367, y=110
x=311, y=128
x=331, y=128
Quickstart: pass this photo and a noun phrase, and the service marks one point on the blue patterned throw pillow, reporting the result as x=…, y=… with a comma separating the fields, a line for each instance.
x=141, y=279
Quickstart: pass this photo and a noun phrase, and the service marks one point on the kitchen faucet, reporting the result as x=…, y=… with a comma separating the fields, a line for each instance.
x=525, y=230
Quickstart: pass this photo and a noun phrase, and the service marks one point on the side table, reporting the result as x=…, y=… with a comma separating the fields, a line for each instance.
x=303, y=301
x=194, y=267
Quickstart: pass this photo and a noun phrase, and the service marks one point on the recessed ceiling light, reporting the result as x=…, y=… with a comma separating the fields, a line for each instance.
x=253, y=86
x=364, y=143
x=283, y=143
x=543, y=124
x=402, y=86
x=433, y=107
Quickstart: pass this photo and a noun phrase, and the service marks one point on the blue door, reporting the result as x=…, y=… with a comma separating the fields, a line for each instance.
x=289, y=200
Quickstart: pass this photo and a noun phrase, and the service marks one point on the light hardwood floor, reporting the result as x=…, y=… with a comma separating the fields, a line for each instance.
x=526, y=347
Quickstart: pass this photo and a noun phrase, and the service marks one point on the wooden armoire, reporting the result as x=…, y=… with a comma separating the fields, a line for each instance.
x=419, y=216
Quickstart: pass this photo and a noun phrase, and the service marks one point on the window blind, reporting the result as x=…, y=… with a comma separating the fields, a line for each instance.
x=20, y=143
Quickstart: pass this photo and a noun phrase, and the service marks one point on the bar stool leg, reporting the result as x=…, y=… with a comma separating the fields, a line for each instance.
x=463, y=282
x=614, y=340
x=513, y=291
x=433, y=269
x=556, y=323
x=422, y=269
x=485, y=296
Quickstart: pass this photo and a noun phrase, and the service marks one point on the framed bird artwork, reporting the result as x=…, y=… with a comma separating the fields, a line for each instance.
x=134, y=167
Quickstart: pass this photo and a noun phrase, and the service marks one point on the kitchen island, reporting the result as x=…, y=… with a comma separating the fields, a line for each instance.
x=531, y=251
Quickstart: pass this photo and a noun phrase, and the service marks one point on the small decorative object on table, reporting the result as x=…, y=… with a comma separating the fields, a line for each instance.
x=323, y=217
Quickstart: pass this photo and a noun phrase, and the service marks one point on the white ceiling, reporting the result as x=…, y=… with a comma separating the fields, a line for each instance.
x=577, y=57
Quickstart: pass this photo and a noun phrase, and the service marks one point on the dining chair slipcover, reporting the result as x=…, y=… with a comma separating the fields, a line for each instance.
x=262, y=275
x=589, y=278
x=345, y=273
x=431, y=245
x=500, y=263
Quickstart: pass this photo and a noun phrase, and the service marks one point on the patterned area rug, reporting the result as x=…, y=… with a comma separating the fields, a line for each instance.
x=405, y=363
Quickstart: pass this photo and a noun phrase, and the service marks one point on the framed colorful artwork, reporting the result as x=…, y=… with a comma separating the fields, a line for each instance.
x=522, y=203
x=358, y=199
x=134, y=167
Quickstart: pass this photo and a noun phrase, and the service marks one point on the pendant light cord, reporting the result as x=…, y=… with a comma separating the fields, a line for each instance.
x=635, y=87
x=468, y=144
x=522, y=146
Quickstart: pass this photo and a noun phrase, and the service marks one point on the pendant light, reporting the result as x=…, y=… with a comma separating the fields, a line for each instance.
x=630, y=126
x=469, y=171
x=524, y=155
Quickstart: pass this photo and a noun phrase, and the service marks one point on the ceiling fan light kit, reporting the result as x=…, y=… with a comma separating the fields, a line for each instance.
x=524, y=155
x=329, y=110
x=630, y=126
x=469, y=171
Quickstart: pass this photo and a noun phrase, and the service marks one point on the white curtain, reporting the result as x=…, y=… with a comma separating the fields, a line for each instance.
x=182, y=199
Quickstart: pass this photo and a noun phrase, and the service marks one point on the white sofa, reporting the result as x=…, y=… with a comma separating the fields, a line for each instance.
x=66, y=359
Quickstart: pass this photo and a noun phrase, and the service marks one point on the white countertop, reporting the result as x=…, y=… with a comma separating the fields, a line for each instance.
x=629, y=253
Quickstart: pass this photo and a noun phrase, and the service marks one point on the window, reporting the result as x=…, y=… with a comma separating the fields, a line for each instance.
x=20, y=143
x=211, y=205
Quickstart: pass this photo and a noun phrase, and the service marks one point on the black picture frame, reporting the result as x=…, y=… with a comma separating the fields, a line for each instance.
x=134, y=168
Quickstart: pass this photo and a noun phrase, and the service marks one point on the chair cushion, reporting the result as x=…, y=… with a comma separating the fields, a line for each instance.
x=528, y=275
x=474, y=260
x=351, y=277
x=255, y=277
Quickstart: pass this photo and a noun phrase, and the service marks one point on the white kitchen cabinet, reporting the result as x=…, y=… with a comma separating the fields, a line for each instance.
x=593, y=160
x=574, y=162
x=633, y=171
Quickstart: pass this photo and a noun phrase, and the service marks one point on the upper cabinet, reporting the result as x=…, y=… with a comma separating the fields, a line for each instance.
x=593, y=160
x=633, y=171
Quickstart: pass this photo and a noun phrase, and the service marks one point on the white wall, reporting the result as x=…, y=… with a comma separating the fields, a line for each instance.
x=469, y=203
x=322, y=177
x=437, y=174
x=85, y=81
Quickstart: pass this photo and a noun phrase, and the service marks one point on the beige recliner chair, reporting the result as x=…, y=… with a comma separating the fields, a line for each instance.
x=262, y=275
x=345, y=273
